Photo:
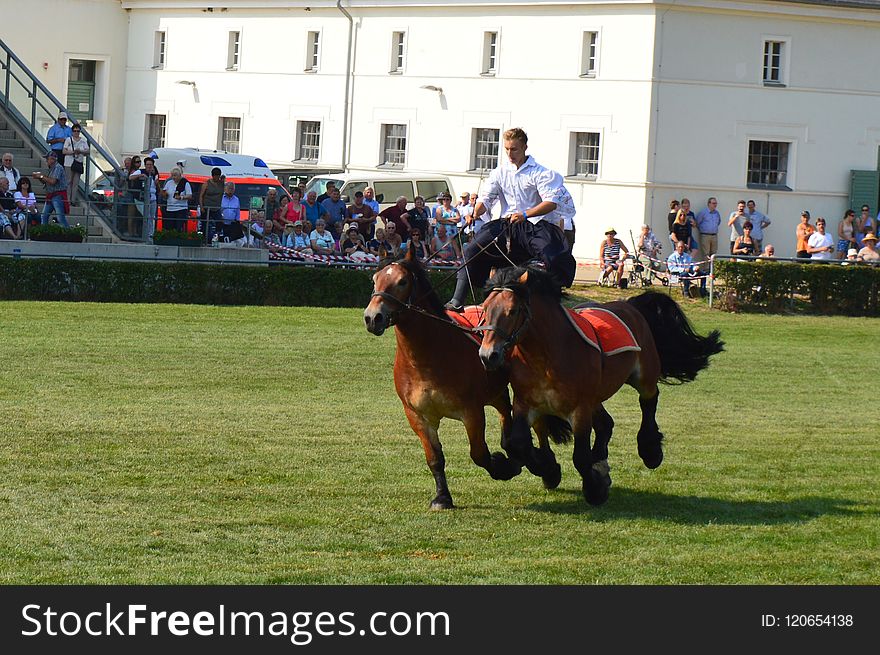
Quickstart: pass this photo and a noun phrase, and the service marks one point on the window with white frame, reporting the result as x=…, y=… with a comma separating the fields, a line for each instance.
x=313, y=51
x=159, y=50
x=768, y=164
x=234, y=52
x=589, y=54
x=585, y=154
x=490, y=53
x=393, y=145
x=229, y=137
x=154, y=131
x=774, y=61
x=398, y=52
x=485, y=148
x=308, y=146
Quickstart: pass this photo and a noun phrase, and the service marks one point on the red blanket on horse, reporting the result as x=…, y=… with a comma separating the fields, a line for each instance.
x=471, y=317
x=603, y=330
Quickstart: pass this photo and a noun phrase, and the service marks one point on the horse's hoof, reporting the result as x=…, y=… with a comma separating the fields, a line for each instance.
x=653, y=460
x=603, y=469
x=503, y=468
x=441, y=503
x=552, y=479
x=595, y=489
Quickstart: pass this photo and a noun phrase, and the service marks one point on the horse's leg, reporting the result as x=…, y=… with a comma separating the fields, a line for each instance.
x=553, y=472
x=595, y=486
x=649, y=438
x=519, y=444
x=497, y=464
x=427, y=433
x=603, y=424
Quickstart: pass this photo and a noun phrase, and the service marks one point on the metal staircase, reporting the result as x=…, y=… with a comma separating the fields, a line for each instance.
x=27, y=111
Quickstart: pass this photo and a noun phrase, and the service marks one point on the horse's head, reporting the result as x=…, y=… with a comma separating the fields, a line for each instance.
x=506, y=314
x=393, y=286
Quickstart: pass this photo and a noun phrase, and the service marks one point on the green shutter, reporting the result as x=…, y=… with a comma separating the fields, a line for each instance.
x=863, y=189
x=81, y=93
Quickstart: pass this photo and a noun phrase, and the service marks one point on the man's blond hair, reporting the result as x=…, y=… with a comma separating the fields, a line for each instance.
x=516, y=134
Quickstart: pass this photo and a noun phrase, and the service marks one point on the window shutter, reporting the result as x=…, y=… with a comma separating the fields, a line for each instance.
x=864, y=190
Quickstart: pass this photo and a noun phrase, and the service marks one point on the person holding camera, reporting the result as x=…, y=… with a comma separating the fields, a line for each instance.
x=176, y=192
x=75, y=150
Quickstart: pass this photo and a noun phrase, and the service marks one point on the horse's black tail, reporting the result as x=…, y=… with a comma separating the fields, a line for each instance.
x=559, y=428
x=683, y=352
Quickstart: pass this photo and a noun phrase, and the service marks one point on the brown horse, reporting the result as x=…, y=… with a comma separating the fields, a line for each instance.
x=553, y=371
x=437, y=371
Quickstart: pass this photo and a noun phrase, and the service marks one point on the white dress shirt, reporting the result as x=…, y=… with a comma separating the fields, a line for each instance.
x=525, y=187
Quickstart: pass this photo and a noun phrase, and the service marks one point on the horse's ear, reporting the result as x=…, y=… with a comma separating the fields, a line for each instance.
x=383, y=254
x=410, y=255
x=524, y=277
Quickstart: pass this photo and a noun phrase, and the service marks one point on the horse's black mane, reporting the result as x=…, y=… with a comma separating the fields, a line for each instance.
x=539, y=282
x=424, y=292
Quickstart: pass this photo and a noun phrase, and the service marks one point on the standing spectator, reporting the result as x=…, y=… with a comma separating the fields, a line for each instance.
x=680, y=263
x=230, y=214
x=398, y=216
x=363, y=215
x=335, y=208
x=420, y=217
x=322, y=240
x=298, y=239
x=9, y=171
x=56, y=190
x=846, y=234
x=464, y=209
x=75, y=149
x=803, y=232
x=476, y=224
x=443, y=247
x=379, y=243
x=58, y=134
x=294, y=211
x=210, y=200
x=745, y=244
x=869, y=253
x=370, y=199
x=328, y=191
x=820, y=245
x=25, y=203
x=759, y=222
x=151, y=192
x=279, y=218
x=865, y=224
x=135, y=195
x=674, y=206
x=610, y=255
x=735, y=222
x=314, y=209
x=708, y=221
x=447, y=215
x=177, y=192
x=392, y=237
x=270, y=204
x=682, y=230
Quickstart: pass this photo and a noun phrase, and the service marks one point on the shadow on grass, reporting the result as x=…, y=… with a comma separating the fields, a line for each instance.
x=697, y=510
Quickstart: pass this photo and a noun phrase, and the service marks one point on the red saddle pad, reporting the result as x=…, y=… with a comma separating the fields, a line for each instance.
x=471, y=317
x=603, y=330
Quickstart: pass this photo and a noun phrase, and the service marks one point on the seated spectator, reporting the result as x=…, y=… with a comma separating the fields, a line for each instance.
x=322, y=241
x=362, y=214
x=9, y=171
x=852, y=255
x=648, y=246
x=610, y=255
x=270, y=204
x=681, y=263
x=26, y=203
x=270, y=240
x=230, y=214
x=353, y=247
x=820, y=245
x=769, y=252
x=416, y=244
x=396, y=215
x=336, y=209
x=8, y=214
x=419, y=217
x=444, y=247
x=298, y=239
x=392, y=237
x=744, y=244
x=869, y=253
x=379, y=243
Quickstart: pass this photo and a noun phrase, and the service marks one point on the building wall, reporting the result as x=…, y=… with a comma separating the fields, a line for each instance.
x=90, y=29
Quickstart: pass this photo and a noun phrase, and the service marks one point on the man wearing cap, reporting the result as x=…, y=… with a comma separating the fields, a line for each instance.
x=297, y=239
x=803, y=232
x=533, y=202
x=362, y=214
x=609, y=255
x=58, y=134
x=56, y=189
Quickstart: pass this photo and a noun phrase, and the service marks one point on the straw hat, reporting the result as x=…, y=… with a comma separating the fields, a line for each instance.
x=869, y=237
x=610, y=230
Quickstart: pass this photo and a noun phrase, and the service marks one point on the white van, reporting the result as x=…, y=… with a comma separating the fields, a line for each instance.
x=388, y=186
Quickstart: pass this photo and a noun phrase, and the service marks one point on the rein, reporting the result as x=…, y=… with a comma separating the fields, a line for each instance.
x=511, y=339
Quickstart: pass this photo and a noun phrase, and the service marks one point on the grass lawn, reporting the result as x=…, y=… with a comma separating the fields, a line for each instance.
x=193, y=444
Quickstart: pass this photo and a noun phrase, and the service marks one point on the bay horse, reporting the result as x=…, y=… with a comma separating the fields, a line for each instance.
x=554, y=371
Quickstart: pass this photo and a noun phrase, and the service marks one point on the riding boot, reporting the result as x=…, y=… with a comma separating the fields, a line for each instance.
x=456, y=304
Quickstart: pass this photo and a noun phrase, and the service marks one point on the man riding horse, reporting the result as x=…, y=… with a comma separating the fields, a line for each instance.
x=533, y=204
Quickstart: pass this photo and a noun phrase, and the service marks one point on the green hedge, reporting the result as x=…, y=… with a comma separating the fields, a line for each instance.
x=210, y=284
x=823, y=288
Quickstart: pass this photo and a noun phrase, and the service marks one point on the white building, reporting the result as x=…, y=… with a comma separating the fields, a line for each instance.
x=635, y=101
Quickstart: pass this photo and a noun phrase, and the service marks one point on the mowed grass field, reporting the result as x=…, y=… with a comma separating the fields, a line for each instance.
x=192, y=444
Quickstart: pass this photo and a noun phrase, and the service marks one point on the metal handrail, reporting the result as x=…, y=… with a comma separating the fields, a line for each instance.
x=26, y=120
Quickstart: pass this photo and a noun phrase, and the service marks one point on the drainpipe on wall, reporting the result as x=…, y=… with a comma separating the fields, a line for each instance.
x=347, y=108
